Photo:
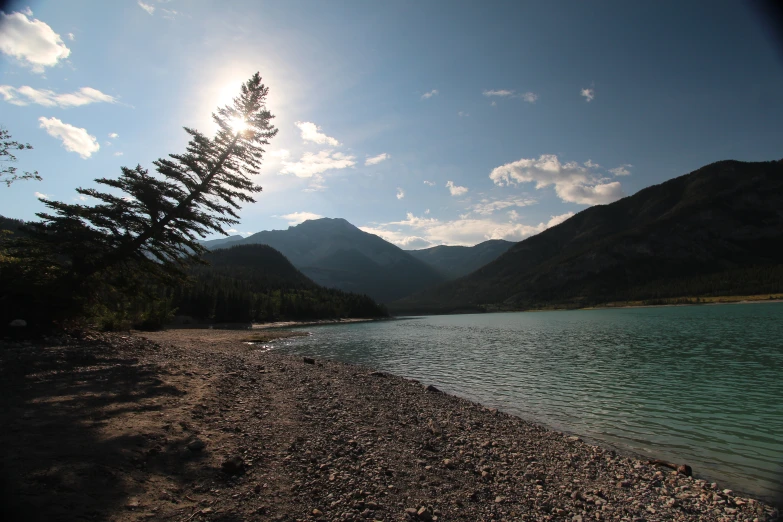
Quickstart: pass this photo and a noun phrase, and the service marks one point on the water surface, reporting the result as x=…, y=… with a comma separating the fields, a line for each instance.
x=699, y=385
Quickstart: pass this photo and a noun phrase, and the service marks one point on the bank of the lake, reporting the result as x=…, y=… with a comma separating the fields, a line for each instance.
x=187, y=425
x=698, y=384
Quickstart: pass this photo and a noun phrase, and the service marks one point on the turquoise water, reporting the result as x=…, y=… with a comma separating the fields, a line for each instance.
x=700, y=385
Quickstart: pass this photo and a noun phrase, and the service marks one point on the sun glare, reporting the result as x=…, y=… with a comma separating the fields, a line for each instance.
x=238, y=124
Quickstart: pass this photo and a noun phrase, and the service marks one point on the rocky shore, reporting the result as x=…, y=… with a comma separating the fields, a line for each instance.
x=197, y=425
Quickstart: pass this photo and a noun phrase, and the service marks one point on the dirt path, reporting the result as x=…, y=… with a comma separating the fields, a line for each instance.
x=196, y=425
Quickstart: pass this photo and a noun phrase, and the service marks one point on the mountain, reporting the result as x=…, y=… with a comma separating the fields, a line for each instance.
x=336, y=254
x=457, y=261
x=223, y=242
x=715, y=231
x=256, y=283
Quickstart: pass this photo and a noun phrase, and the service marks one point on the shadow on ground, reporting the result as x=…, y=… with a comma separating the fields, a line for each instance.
x=80, y=434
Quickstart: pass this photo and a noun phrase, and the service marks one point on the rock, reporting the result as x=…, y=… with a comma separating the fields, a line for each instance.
x=431, y=388
x=377, y=374
x=424, y=514
x=233, y=466
x=308, y=360
x=317, y=513
x=434, y=427
x=685, y=469
x=412, y=512
x=18, y=323
x=196, y=445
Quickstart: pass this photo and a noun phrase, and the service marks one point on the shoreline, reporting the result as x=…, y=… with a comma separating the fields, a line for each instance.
x=195, y=425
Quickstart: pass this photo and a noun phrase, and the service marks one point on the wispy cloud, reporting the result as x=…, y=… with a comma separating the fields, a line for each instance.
x=573, y=182
x=118, y=153
x=310, y=132
x=32, y=42
x=488, y=206
x=41, y=195
x=75, y=139
x=428, y=95
x=71, y=37
x=503, y=93
x=113, y=135
x=622, y=170
x=26, y=95
x=463, y=114
x=529, y=97
x=374, y=160
x=311, y=164
x=400, y=193
x=147, y=7
x=418, y=232
x=455, y=190
x=588, y=94
x=295, y=218
x=429, y=183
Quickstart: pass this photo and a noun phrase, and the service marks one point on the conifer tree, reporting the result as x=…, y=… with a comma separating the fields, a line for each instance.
x=155, y=224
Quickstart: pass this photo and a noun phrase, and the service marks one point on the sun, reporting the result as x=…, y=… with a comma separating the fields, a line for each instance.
x=238, y=125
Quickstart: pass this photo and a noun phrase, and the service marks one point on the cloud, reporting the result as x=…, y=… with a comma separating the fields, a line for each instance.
x=74, y=139
x=113, y=135
x=147, y=7
x=573, y=182
x=295, y=218
x=281, y=153
x=589, y=94
x=71, y=37
x=400, y=193
x=455, y=190
x=487, y=207
x=32, y=42
x=513, y=215
x=310, y=133
x=41, y=195
x=494, y=104
x=590, y=165
x=462, y=114
x=622, y=170
x=377, y=159
x=504, y=93
x=529, y=97
x=426, y=212
x=428, y=95
x=429, y=231
x=118, y=153
x=309, y=165
x=26, y=95
x=429, y=183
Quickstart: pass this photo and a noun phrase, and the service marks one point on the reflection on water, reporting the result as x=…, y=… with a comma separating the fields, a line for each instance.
x=700, y=385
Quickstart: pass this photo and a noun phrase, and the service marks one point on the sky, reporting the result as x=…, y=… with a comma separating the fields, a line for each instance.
x=427, y=123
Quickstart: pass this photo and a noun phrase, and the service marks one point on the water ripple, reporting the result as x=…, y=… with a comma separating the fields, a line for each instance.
x=700, y=385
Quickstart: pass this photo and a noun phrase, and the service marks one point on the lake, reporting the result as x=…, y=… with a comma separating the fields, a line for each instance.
x=699, y=385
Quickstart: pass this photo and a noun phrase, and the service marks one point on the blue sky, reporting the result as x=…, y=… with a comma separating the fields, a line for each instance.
x=424, y=122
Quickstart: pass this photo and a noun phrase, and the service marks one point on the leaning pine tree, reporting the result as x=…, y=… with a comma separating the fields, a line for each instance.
x=151, y=230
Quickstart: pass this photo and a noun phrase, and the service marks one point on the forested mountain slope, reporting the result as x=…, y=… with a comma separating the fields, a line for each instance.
x=457, y=261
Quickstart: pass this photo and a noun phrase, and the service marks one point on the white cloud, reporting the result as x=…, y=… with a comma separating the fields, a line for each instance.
x=429, y=183
x=487, y=206
x=428, y=95
x=295, y=218
x=589, y=94
x=462, y=114
x=513, y=215
x=310, y=165
x=427, y=212
x=74, y=139
x=529, y=97
x=400, y=193
x=377, y=159
x=41, y=195
x=118, y=153
x=622, y=170
x=32, y=42
x=590, y=165
x=455, y=190
x=573, y=182
x=494, y=104
x=281, y=153
x=310, y=133
x=147, y=7
x=499, y=92
x=26, y=95
x=114, y=135
x=429, y=231
x=71, y=37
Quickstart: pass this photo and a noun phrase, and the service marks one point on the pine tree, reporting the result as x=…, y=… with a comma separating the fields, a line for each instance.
x=127, y=243
x=156, y=225
x=8, y=173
